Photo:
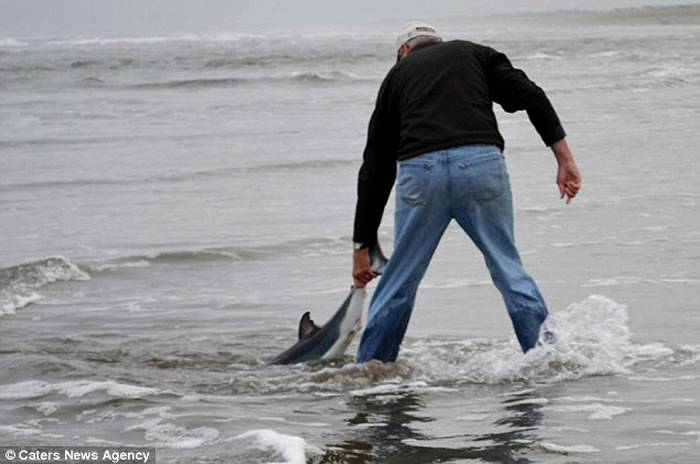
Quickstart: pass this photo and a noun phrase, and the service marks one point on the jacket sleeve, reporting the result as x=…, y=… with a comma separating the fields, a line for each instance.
x=514, y=91
x=378, y=170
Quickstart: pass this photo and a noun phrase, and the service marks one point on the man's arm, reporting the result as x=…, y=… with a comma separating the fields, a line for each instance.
x=375, y=180
x=514, y=91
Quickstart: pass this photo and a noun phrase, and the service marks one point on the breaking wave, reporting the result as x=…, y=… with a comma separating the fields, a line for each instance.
x=593, y=339
x=193, y=83
x=10, y=42
x=300, y=77
x=302, y=247
x=223, y=172
x=19, y=284
x=290, y=448
x=33, y=389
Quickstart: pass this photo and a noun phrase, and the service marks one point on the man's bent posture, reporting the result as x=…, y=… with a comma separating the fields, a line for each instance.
x=434, y=119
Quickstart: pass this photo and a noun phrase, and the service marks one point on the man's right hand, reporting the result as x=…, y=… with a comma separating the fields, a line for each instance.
x=362, y=271
x=568, y=175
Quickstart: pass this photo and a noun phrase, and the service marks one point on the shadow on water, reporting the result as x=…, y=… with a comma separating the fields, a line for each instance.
x=386, y=431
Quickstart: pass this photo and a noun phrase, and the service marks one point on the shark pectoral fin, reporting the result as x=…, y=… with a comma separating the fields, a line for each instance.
x=306, y=326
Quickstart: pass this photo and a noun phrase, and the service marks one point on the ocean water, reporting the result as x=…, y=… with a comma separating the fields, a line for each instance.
x=170, y=206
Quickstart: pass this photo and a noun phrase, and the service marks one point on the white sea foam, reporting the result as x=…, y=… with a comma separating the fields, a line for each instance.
x=633, y=280
x=169, y=435
x=543, y=56
x=567, y=449
x=650, y=445
x=680, y=281
x=47, y=407
x=536, y=401
x=20, y=301
x=607, y=54
x=72, y=389
x=113, y=266
x=98, y=41
x=673, y=72
x=593, y=339
x=20, y=430
x=290, y=448
x=614, y=281
x=18, y=284
x=9, y=42
x=199, y=38
x=457, y=284
x=598, y=411
x=678, y=378
x=396, y=387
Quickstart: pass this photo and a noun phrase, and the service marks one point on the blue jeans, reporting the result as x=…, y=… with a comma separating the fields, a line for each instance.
x=469, y=184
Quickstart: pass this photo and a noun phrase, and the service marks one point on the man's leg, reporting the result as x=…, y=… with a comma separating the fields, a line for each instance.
x=420, y=220
x=482, y=205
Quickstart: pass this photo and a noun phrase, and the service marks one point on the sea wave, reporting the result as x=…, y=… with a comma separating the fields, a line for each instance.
x=301, y=247
x=593, y=339
x=225, y=38
x=223, y=172
x=299, y=77
x=19, y=284
x=171, y=435
x=10, y=42
x=32, y=389
x=192, y=61
x=290, y=448
x=102, y=41
x=193, y=83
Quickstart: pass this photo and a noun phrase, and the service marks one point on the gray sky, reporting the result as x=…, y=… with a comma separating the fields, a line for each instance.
x=154, y=17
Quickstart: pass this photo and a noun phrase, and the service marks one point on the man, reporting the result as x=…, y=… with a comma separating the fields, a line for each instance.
x=434, y=118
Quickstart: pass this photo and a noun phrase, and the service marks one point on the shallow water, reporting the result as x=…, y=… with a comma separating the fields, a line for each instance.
x=169, y=207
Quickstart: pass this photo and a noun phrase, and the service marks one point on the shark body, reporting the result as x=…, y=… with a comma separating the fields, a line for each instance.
x=332, y=339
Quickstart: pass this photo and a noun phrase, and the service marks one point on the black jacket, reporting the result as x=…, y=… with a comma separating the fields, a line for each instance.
x=438, y=97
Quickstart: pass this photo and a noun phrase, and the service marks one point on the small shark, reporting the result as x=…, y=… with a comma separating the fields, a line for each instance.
x=332, y=339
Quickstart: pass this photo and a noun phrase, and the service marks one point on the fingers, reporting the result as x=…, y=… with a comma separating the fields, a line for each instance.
x=361, y=268
x=363, y=277
x=571, y=190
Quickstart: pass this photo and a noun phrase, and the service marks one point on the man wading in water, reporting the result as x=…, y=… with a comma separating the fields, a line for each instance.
x=434, y=117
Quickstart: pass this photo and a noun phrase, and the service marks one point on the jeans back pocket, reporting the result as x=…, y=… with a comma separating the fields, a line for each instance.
x=487, y=179
x=413, y=183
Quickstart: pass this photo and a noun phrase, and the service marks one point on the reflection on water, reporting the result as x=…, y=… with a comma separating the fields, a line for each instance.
x=386, y=429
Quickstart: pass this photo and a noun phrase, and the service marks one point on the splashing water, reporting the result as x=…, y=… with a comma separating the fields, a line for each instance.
x=17, y=283
x=592, y=339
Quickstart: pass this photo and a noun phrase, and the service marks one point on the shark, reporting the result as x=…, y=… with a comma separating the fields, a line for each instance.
x=333, y=338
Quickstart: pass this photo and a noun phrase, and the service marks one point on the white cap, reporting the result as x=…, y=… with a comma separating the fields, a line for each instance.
x=415, y=29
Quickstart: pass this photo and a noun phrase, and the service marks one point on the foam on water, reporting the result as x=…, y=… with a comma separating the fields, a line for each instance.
x=593, y=339
x=567, y=449
x=10, y=42
x=320, y=246
x=18, y=283
x=597, y=411
x=288, y=447
x=170, y=435
x=72, y=389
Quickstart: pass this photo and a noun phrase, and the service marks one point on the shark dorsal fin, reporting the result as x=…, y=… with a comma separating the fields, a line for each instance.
x=306, y=326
